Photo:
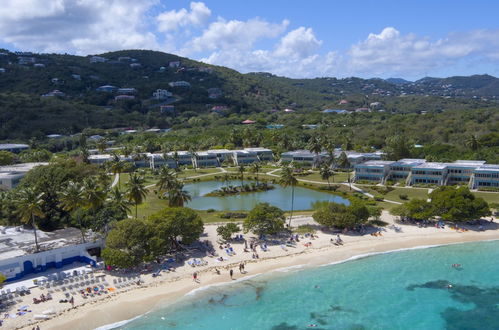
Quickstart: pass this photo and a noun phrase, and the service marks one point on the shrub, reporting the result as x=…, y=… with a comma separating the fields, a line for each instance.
x=233, y=215
x=210, y=210
x=378, y=198
x=403, y=197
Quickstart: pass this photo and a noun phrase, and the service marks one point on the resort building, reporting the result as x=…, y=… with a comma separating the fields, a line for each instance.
x=158, y=160
x=205, y=159
x=11, y=175
x=243, y=157
x=473, y=173
x=57, y=249
x=223, y=155
x=264, y=154
x=373, y=170
x=183, y=158
x=303, y=157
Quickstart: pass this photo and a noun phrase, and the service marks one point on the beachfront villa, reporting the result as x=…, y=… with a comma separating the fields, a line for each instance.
x=13, y=147
x=311, y=159
x=244, y=157
x=474, y=173
x=57, y=249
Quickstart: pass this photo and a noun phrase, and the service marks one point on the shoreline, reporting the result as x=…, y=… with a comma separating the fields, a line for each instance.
x=133, y=303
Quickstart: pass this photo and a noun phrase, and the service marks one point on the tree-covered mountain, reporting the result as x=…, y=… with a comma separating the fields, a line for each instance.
x=53, y=93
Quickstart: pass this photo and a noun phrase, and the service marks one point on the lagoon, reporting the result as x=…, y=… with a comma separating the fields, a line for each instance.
x=280, y=197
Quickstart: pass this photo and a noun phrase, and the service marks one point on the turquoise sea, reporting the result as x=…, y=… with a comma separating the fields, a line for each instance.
x=398, y=290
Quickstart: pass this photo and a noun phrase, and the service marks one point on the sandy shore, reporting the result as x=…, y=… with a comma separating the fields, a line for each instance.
x=169, y=287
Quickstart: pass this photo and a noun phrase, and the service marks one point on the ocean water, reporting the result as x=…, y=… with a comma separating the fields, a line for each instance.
x=399, y=290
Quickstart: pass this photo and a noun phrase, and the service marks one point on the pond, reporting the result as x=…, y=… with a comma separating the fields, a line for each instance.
x=280, y=197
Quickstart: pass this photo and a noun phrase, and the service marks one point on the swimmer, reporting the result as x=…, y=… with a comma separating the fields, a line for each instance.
x=312, y=325
x=449, y=286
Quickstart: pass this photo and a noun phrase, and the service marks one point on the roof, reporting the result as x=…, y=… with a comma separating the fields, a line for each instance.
x=258, y=149
x=298, y=153
x=377, y=163
x=248, y=121
x=488, y=168
x=432, y=165
x=6, y=146
x=20, y=168
x=409, y=162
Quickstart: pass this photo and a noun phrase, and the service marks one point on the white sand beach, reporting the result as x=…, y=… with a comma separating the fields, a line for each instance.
x=134, y=300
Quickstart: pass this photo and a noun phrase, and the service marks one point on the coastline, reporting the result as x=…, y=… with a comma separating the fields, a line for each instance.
x=133, y=303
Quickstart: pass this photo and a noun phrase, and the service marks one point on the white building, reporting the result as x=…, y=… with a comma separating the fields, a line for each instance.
x=161, y=94
x=179, y=84
x=11, y=175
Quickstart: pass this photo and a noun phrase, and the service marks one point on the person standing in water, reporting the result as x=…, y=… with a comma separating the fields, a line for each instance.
x=231, y=273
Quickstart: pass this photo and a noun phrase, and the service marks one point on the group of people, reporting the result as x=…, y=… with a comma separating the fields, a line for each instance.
x=43, y=298
x=337, y=241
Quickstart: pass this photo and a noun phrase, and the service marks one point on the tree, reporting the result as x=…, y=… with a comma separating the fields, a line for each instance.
x=326, y=172
x=177, y=196
x=118, y=200
x=264, y=219
x=315, y=146
x=29, y=207
x=416, y=209
x=6, y=157
x=241, y=170
x=343, y=162
x=3, y=278
x=398, y=147
x=117, y=167
x=287, y=179
x=472, y=142
x=166, y=179
x=93, y=194
x=136, y=190
x=458, y=205
x=128, y=244
x=175, y=224
x=342, y=216
x=255, y=168
x=226, y=231
x=71, y=200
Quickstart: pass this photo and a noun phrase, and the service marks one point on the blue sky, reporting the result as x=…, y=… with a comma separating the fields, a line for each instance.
x=409, y=39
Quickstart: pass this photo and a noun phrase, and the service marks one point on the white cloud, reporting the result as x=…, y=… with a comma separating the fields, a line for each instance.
x=78, y=26
x=234, y=34
x=173, y=20
x=299, y=43
x=391, y=52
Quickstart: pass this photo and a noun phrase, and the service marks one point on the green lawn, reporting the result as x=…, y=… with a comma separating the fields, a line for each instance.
x=412, y=193
x=490, y=197
x=315, y=176
x=201, y=171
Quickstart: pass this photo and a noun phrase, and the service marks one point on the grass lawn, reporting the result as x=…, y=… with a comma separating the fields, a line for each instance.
x=201, y=171
x=316, y=176
x=490, y=197
x=412, y=193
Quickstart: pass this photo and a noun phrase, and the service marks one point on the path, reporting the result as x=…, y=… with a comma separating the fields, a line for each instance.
x=116, y=180
x=271, y=173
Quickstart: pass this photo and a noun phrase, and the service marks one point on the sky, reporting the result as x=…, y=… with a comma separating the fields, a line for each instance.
x=410, y=39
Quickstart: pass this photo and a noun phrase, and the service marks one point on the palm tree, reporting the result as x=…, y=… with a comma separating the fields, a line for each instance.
x=315, y=146
x=117, y=167
x=136, y=190
x=472, y=143
x=226, y=178
x=93, y=194
x=177, y=196
x=102, y=145
x=118, y=199
x=29, y=206
x=288, y=179
x=241, y=170
x=255, y=168
x=343, y=162
x=326, y=172
x=71, y=199
x=166, y=179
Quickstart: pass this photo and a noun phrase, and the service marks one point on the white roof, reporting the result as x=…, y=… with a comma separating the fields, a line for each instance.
x=20, y=168
x=5, y=146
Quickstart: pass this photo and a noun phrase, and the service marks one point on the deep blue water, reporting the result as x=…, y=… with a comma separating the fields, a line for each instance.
x=400, y=290
x=280, y=197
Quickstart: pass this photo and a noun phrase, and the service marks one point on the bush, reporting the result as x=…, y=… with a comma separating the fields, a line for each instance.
x=227, y=230
x=403, y=197
x=378, y=198
x=233, y=215
x=210, y=210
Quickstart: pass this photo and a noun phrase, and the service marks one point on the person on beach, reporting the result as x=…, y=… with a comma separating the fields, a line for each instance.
x=231, y=273
x=195, y=277
x=72, y=301
x=217, y=271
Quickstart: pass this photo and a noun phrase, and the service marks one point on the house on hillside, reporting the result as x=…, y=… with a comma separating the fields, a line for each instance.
x=179, y=84
x=343, y=102
x=214, y=93
x=174, y=64
x=98, y=59
x=106, y=88
x=2, y=70
x=25, y=60
x=161, y=94
x=248, y=122
x=362, y=110
x=124, y=97
x=338, y=111
x=54, y=93
x=13, y=147
x=135, y=65
x=39, y=65
x=126, y=91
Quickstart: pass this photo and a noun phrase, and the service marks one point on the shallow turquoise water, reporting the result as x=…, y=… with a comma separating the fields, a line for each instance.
x=280, y=197
x=400, y=290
